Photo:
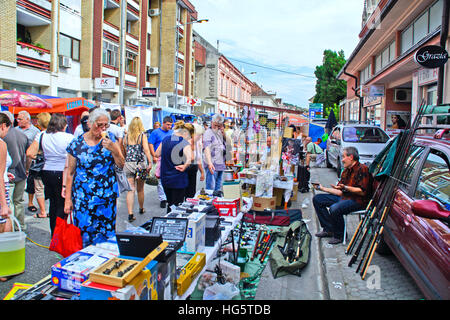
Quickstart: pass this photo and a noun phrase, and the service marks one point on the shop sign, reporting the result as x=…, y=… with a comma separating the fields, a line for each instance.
x=427, y=76
x=431, y=57
x=149, y=92
x=105, y=83
x=373, y=91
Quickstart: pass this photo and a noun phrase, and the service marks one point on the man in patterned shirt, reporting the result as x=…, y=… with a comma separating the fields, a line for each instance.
x=352, y=193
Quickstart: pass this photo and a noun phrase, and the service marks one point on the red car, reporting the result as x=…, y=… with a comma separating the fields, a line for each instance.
x=417, y=228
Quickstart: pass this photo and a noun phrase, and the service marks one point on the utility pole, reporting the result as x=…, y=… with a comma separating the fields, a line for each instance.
x=122, y=49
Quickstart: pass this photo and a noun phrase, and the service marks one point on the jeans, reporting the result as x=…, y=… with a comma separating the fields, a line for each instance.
x=213, y=181
x=332, y=220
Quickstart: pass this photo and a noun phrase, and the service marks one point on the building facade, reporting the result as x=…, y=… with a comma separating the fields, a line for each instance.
x=63, y=48
x=382, y=76
x=219, y=84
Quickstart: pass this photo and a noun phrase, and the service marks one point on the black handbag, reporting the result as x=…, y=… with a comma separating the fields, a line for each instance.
x=38, y=163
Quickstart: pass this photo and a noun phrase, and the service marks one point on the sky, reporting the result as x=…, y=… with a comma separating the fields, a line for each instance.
x=286, y=35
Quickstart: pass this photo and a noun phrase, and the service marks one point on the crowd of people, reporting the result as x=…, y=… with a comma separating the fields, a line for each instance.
x=79, y=172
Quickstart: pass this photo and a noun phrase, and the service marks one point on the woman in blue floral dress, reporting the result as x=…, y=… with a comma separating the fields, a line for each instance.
x=91, y=186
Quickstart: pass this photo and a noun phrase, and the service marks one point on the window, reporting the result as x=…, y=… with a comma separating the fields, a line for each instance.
x=130, y=62
x=435, y=16
x=434, y=180
x=407, y=173
x=420, y=28
x=386, y=56
x=426, y=23
x=69, y=47
x=365, y=74
x=110, y=54
x=364, y=135
x=407, y=39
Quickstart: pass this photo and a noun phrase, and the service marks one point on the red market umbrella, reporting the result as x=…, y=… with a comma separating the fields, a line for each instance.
x=13, y=98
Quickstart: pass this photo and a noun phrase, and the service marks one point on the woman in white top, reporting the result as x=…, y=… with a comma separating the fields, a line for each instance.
x=5, y=162
x=54, y=143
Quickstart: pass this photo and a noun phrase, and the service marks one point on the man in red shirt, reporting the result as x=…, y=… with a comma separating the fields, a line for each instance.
x=351, y=193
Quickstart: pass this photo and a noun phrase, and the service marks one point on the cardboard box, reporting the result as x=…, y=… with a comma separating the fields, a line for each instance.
x=294, y=192
x=69, y=273
x=140, y=288
x=195, y=235
x=231, y=189
x=279, y=195
x=260, y=203
x=227, y=207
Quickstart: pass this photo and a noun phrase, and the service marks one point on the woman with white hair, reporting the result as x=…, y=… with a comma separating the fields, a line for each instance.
x=90, y=180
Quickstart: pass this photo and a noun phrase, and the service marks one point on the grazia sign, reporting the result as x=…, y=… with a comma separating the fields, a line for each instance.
x=431, y=57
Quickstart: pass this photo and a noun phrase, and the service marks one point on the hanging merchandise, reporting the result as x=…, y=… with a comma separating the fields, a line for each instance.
x=264, y=184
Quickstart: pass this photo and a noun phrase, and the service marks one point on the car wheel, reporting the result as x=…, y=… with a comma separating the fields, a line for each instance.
x=383, y=247
x=329, y=165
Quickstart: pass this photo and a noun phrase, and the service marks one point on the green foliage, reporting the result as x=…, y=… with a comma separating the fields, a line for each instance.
x=330, y=90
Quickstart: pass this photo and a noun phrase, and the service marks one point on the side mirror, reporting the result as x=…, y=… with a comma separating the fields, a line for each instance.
x=429, y=209
x=334, y=141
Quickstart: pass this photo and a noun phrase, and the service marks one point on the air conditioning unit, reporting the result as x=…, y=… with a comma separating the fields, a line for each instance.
x=65, y=62
x=152, y=70
x=153, y=12
x=402, y=95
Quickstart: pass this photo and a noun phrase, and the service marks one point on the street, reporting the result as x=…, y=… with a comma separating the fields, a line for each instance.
x=326, y=277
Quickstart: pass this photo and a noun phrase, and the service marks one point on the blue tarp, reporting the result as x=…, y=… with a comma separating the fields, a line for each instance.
x=316, y=132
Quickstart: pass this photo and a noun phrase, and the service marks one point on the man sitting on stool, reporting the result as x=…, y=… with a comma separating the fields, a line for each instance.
x=352, y=193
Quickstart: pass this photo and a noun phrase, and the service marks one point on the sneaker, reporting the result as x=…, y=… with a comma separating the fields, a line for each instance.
x=324, y=234
x=335, y=241
x=163, y=204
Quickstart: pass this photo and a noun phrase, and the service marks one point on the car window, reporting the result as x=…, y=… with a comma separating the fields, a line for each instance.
x=336, y=134
x=434, y=180
x=407, y=174
x=364, y=135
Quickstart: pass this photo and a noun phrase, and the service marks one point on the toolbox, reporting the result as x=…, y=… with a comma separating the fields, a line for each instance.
x=190, y=271
x=212, y=230
x=119, y=272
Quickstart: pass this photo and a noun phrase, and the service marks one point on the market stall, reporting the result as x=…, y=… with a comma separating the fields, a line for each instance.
x=212, y=246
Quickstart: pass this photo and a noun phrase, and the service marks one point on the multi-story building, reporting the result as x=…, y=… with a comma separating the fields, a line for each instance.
x=382, y=76
x=218, y=82
x=63, y=47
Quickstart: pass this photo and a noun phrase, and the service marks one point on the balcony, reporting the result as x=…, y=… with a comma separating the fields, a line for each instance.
x=32, y=56
x=33, y=13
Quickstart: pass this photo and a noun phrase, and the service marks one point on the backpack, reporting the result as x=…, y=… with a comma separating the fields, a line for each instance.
x=291, y=250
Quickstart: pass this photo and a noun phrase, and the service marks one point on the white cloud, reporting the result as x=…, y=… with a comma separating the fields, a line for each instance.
x=290, y=35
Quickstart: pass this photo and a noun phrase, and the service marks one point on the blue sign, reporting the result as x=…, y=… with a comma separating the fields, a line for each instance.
x=315, y=110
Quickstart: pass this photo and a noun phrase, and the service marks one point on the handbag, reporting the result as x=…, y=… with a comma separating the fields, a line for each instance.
x=38, y=163
x=122, y=181
x=66, y=238
x=142, y=172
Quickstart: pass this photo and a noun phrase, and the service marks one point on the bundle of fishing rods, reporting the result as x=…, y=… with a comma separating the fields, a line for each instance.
x=371, y=227
x=263, y=244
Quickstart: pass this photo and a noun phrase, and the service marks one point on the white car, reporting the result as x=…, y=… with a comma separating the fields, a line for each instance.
x=368, y=139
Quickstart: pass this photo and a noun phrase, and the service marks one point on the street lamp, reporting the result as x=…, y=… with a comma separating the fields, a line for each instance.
x=176, y=55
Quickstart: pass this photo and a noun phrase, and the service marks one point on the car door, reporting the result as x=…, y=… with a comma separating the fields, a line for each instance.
x=334, y=142
x=422, y=250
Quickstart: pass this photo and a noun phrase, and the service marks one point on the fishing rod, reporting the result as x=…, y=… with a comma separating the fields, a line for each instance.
x=405, y=147
x=373, y=221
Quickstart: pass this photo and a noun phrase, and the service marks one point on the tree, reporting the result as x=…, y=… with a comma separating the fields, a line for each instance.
x=330, y=90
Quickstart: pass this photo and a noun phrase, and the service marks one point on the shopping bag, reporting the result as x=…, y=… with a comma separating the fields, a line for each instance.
x=122, y=181
x=66, y=238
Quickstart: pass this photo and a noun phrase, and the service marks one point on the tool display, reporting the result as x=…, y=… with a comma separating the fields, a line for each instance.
x=127, y=269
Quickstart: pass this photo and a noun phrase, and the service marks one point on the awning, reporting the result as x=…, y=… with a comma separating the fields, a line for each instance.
x=67, y=106
x=296, y=120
